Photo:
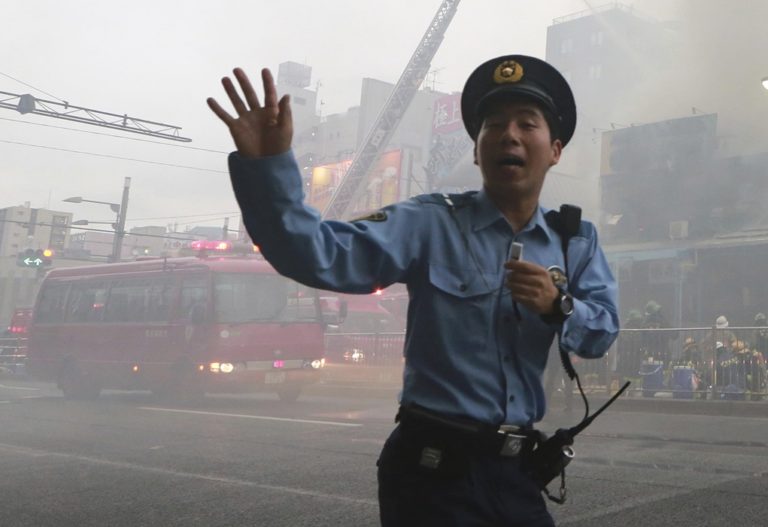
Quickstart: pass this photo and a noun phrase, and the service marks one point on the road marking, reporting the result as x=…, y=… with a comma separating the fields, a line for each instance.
x=34, y=452
x=19, y=388
x=247, y=416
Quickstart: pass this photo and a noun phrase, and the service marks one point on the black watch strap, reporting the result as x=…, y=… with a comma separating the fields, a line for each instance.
x=560, y=311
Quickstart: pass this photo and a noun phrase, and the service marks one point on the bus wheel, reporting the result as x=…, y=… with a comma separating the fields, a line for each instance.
x=289, y=393
x=76, y=385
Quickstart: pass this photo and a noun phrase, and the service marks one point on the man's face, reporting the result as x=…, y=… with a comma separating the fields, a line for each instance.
x=513, y=149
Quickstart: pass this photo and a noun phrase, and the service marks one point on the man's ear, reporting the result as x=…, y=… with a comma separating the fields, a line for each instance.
x=557, y=149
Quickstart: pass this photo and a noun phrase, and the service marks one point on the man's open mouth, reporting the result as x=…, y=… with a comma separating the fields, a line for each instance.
x=512, y=160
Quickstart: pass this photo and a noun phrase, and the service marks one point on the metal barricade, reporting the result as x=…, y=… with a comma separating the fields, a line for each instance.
x=682, y=363
x=697, y=362
x=13, y=355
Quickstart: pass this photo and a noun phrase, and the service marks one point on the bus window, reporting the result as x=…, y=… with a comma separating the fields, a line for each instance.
x=51, y=305
x=194, y=293
x=241, y=297
x=303, y=303
x=85, y=302
x=137, y=300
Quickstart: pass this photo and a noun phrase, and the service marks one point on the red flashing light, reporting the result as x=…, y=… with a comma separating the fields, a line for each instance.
x=211, y=245
x=278, y=364
x=378, y=292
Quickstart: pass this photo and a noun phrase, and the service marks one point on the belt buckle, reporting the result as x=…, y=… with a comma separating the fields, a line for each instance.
x=513, y=443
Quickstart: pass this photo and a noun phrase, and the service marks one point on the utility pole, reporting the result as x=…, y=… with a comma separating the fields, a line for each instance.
x=117, y=246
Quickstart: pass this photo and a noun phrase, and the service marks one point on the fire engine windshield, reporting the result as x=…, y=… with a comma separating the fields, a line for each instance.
x=246, y=297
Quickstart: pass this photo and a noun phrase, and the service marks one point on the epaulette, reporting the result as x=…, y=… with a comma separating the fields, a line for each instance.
x=454, y=201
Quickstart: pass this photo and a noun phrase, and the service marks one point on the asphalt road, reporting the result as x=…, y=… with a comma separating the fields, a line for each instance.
x=128, y=460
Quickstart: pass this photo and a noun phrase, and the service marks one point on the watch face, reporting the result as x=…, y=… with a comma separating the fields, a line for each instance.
x=566, y=304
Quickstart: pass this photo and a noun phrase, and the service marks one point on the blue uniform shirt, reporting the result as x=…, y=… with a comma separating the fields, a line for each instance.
x=466, y=352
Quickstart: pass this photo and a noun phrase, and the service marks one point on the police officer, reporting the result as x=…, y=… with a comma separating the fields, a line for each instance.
x=480, y=323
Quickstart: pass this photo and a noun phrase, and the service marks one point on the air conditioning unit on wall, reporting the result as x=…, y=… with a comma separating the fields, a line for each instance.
x=678, y=230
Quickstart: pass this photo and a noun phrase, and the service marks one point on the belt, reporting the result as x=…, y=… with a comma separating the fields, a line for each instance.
x=438, y=433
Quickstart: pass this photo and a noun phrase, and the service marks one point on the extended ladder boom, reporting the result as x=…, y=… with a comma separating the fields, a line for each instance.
x=377, y=139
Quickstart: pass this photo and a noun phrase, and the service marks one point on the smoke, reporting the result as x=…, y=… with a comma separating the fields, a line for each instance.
x=714, y=63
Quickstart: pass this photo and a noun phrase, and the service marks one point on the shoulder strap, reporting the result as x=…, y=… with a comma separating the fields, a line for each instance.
x=567, y=224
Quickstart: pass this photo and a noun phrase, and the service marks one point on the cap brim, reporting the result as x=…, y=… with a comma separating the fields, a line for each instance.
x=515, y=92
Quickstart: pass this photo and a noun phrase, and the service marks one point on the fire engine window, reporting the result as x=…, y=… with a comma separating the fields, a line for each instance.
x=243, y=297
x=51, y=305
x=85, y=302
x=138, y=300
x=194, y=292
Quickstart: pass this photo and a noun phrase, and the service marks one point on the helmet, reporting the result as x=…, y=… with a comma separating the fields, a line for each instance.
x=652, y=308
x=721, y=322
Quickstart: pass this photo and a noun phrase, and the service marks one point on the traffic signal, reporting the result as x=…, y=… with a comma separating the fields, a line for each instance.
x=34, y=258
x=47, y=256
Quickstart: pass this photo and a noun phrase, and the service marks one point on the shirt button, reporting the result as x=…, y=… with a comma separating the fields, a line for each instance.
x=463, y=287
x=511, y=398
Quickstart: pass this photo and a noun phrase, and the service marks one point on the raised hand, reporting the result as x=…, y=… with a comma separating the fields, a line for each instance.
x=257, y=130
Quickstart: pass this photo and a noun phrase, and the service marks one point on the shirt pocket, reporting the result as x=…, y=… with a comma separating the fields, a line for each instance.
x=462, y=302
x=461, y=283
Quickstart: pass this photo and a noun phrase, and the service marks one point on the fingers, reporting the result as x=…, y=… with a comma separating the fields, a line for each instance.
x=270, y=93
x=285, y=116
x=237, y=102
x=245, y=84
x=219, y=111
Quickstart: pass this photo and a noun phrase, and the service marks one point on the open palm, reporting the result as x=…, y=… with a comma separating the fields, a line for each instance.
x=257, y=130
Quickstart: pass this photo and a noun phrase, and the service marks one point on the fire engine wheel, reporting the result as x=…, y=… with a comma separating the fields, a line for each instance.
x=77, y=385
x=289, y=393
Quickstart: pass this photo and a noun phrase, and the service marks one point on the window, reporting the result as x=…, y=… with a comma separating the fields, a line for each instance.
x=596, y=38
x=595, y=71
x=566, y=46
x=194, y=295
x=85, y=302
x=138, y=300
x=241, y=297
x=50, y=308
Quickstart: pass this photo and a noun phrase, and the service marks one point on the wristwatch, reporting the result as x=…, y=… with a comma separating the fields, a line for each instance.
x=562, y=307
x=563, y=303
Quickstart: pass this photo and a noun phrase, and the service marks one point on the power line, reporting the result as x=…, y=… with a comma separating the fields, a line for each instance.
x=114, y=135
x=169, y=235
x=201, y=216
x=30, y=86
x=113, y=157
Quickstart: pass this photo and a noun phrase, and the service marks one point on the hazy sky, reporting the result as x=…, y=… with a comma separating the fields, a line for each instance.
x=159, y=60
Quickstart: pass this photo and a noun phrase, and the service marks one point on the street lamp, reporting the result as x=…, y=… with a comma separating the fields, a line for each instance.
x=765, y=83
x=119, y=225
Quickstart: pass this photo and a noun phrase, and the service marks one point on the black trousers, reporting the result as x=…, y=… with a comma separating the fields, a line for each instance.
x=485, y=489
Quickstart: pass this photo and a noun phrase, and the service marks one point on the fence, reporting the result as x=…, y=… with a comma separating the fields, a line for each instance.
x=682, y=363
x=13, y=354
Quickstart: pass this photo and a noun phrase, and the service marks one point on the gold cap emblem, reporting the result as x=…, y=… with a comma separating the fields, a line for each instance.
x=508, y=71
